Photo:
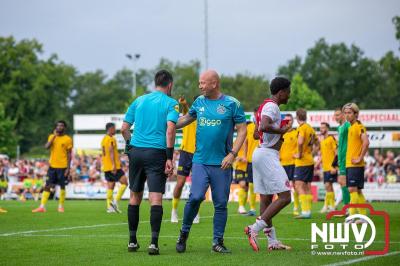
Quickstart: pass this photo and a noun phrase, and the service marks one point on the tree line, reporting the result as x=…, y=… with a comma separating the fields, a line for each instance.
x=35, y=91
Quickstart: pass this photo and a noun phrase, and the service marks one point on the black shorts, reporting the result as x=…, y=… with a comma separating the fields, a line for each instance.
x=240, y=175
x=330, y=178
x=355, y=177
x=304, y=173
x=185, y=163
x=289, y=169
x=110, y=177
x=147, y=164
x=55, y=176
x=249, y=178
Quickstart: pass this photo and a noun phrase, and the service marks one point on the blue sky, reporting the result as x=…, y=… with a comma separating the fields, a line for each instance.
x=244, y=36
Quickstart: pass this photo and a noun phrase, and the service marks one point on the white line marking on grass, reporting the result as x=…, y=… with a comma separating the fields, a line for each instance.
x=85, y=227
x=164, y=236
x=366, y=258
x=61, y=229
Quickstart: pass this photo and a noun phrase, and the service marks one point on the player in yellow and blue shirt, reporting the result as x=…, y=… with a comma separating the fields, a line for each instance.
x=111, y=166
x=304, y=163
x=60, y=145
x=328, y=148
x=188, y=148
x=357, y=147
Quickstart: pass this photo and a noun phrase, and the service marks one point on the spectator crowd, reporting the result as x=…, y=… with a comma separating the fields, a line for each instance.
x=381, y=167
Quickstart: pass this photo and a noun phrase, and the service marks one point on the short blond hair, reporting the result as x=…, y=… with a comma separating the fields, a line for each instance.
x=352, y=106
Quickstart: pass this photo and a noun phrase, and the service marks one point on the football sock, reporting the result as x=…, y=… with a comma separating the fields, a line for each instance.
x=296, y=200
x=270, y=233
x=252, y=197
x=45, y=198
x=345, y=195
x=331, y=199
x=156, y=214
x=175, y=202
x=61, y=200
x=120, y=192
x=259, y=225
x=353, y=200
x=133, y=222
x=109, y=197
x=242, y=197
x=303, y=203
x=361, y=199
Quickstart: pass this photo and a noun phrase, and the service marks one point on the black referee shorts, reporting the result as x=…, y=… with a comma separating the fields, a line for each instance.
x=147, y=164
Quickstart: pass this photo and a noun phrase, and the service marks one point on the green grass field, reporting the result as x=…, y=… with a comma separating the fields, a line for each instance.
x=86, y=235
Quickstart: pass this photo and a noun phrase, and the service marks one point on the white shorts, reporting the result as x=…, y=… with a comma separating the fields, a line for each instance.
x=269, y=177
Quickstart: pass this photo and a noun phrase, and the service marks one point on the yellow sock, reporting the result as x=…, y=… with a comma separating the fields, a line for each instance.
x=242, y=197
x=310, y=199
x=120, y=192
x=109, y=197
x=61, y=200
x=361, y=199
x=353, y=200
x=327, y=200
x=175, y=202
x=330, y=199
x=303, y=202
x=296, y=200
x=252, y=197
x=45, y=198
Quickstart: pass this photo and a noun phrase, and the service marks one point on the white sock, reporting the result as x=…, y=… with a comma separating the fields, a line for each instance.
x=259, y=225
x=339, y=197
x=271, y=234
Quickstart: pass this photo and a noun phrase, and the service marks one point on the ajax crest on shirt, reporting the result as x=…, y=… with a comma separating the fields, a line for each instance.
x=221, y=109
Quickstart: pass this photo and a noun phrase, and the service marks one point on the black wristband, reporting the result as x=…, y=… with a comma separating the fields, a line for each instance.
x=235, y=154
x=170, y=153
x=128, y=142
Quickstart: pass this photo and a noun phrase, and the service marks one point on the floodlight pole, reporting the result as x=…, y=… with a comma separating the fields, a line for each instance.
x=134, y=58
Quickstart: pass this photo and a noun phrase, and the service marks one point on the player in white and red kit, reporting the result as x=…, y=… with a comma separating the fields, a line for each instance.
x=269, y=176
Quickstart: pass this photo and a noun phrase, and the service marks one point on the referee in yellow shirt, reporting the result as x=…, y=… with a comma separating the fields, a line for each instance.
x=357, y=147
x=112, y=168
x=60, y=146
x=187, y=150
x=286, y=154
